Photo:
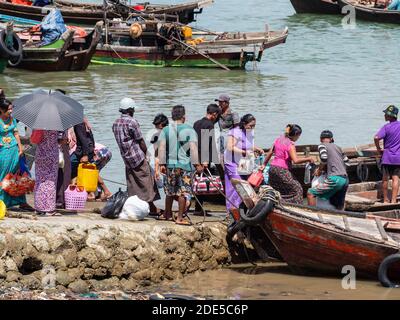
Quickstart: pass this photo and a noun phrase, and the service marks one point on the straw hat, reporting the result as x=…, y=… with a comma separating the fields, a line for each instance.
x=135, y=30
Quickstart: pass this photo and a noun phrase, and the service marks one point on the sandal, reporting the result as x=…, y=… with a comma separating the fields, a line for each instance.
x=48, y=214
x=157, y=214
x=53, y=214
x=183, y=223
x=164, y=218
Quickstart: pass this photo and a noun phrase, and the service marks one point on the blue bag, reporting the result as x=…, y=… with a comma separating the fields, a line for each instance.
x=22, y=166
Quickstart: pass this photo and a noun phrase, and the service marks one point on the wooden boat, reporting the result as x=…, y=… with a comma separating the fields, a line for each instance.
x=316, y=6
x=66, y=54
x=323, y=242
x=367, y=196
x=366, y=10
x=164, y=45
x=89, y=13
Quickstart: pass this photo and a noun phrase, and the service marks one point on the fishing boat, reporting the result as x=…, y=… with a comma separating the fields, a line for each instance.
x=316, y=6
x=90, y=13
x=69, y=53
x=151, y=43
x=366, y=10
x=367, y=196
x=312, y=240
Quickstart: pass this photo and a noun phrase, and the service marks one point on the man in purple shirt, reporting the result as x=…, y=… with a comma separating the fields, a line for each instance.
x=390, y=134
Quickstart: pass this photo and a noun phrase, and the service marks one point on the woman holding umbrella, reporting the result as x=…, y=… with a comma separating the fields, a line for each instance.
x=47, y=113
x=10, y=151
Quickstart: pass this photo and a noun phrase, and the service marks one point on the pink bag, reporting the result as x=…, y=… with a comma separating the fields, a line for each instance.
x=75, y=198
x=207, y=185
x=256, y=178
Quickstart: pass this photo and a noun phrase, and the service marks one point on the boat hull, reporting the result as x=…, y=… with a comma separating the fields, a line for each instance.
x=308, y=247
x=158, y=59
x=86, y=17
x=315, y=6
x=75, y=62
x=372, y=14
x=89, y=13
x=73, y=55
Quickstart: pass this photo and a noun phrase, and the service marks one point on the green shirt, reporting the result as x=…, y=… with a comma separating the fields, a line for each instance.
x=178, y=138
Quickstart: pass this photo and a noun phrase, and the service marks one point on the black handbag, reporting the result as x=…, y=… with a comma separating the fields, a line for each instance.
x=114, y=205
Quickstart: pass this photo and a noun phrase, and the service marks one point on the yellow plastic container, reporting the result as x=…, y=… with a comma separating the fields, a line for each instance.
x=3, y=210
x=187, y=32
x=88, y=176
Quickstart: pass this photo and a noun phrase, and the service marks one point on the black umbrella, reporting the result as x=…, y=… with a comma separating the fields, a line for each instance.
x=48, y=110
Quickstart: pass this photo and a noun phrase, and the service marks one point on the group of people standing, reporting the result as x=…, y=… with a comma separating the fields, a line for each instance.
x=215, y=144
x=57, y=156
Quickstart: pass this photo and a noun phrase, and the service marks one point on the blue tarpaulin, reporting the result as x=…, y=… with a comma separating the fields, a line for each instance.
x=52, y=27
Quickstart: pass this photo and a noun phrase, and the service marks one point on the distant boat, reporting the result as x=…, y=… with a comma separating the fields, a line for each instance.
x=368, y=12
x=316, y=6
x=165, y=45
x=69, y=53
x=90, y=13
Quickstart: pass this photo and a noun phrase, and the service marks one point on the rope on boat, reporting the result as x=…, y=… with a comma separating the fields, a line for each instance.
x=118, y=55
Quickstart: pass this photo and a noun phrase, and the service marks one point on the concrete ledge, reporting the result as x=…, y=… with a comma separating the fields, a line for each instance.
x=86, y=252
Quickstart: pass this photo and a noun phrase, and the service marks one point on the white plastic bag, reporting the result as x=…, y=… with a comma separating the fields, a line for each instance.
x=321, y=203
x=134, y=209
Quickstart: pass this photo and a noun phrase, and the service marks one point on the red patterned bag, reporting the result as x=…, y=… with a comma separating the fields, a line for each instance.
x=203, y=185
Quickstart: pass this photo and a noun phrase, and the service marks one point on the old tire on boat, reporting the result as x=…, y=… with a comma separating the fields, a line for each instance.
x=257, y=215
x=235, y=227
x=15, y=51
x=383, y=271
x=15, y=61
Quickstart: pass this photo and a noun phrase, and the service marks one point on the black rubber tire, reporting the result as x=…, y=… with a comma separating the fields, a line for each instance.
x=17, y=60
x=257, y=215
x=383, y=269
x=235, y=228
x=15, y=51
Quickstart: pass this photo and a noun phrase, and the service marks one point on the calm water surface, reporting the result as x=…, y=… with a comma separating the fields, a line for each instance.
x=323, y=77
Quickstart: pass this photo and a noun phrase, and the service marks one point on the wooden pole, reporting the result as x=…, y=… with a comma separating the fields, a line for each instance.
x=197, y=51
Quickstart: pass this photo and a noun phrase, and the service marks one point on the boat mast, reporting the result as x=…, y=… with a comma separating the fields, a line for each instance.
x=105, y=19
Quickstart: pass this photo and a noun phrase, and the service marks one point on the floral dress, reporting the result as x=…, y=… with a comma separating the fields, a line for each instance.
x=46, y=172
x=9, y=159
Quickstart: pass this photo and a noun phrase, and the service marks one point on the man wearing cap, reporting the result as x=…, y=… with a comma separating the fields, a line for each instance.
x=390, y=134
x=335, y=186
x=133, y=150
x=226, y=120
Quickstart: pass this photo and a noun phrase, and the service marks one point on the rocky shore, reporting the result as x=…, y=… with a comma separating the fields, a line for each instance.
x=84, y=252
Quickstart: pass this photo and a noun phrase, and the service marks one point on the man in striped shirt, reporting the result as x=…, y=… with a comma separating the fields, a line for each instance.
x=333, y=160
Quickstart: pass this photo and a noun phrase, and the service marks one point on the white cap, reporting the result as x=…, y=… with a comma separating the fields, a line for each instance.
x=127, y=103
